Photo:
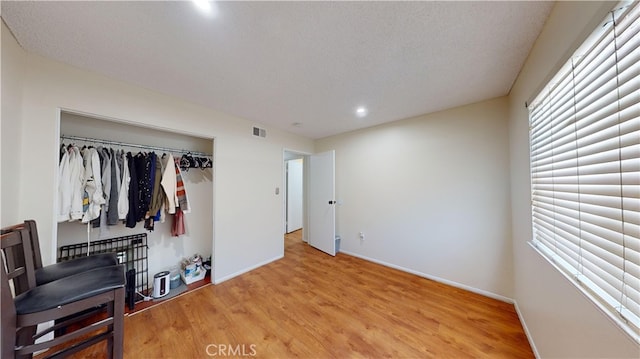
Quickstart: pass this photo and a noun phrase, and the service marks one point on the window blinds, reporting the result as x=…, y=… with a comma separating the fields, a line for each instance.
x=585, y=167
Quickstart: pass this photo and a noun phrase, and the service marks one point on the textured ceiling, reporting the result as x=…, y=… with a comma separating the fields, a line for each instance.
x=280, y=63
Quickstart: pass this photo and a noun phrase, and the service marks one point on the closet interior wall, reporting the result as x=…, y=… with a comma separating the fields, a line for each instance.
x=165, y=251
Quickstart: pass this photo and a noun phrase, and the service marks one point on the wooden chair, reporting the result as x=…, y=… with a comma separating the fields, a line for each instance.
x=25, y=304
x=46, y=274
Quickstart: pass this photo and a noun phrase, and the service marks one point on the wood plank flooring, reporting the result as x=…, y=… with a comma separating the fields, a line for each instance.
x=311, y=305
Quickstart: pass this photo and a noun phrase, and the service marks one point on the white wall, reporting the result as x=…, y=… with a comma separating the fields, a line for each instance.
x=431, y=195
x=11, y=75
x=561, y=322
x=248, y=215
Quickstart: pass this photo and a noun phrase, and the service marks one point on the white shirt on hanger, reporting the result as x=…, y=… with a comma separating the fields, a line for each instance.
x=169, y=182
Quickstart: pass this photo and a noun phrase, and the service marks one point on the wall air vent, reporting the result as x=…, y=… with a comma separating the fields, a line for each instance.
x=259, y=132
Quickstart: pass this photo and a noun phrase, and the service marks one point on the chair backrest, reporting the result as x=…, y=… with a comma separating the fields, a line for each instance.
x=17, y=275
x=17, y=260
x=9, y=316
x=32, y=228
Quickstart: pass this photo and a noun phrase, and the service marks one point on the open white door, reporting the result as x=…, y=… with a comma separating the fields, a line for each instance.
x=322, y=211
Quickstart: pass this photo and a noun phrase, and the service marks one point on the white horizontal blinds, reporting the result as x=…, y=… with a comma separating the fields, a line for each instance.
x=627, y=39
x=585, y=165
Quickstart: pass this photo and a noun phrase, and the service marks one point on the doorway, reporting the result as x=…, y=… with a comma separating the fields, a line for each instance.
x=318, y=199
x=294, y=193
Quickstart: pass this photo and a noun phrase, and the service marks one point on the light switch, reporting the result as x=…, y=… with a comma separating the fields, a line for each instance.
x=277, y=190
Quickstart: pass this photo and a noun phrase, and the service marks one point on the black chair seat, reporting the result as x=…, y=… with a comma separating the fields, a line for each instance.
x=70, y=289
x=77, y=265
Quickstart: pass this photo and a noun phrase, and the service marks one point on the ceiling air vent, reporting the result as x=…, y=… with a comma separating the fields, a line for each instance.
x=259, y=132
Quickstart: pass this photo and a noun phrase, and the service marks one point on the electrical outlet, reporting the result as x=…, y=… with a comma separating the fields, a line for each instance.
x=361, y=234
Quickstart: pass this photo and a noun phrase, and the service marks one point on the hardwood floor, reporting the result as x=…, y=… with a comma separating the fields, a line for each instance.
x=311, y=305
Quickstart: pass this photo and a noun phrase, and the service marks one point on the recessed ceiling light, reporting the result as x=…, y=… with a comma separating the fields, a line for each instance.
x=361, y=111
x=207, y=7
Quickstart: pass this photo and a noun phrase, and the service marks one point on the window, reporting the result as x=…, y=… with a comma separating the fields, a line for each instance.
x=585, y=167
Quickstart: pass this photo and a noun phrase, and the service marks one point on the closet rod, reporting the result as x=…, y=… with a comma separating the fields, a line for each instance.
x=124, y=144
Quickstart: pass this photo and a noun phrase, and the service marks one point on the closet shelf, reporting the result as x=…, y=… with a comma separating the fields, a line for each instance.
x=134, y=145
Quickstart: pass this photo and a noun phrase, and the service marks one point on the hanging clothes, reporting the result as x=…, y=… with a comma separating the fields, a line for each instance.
x=148, y=220
x=70, y=185
x=93, y=184
x=157, y=197
x=105, y=166
x=177, y=229
x=61, y=153
x=64, y=188
x=112, y=215
x=181, y=192
x=133, y=194
x=143, y=172
x=123, y=196
x=168, y=183
x=77, y=180
x=103, y=186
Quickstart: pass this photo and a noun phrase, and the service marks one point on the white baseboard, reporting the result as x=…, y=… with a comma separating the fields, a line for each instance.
x=434, y=278
x=526, y=330
x=245, y=270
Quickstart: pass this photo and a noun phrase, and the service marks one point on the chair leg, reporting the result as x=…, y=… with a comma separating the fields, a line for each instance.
x=24, y=336
x=110, y=314
x=118, y=324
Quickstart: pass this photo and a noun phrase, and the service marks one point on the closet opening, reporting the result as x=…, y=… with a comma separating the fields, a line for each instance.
x=166, y=248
